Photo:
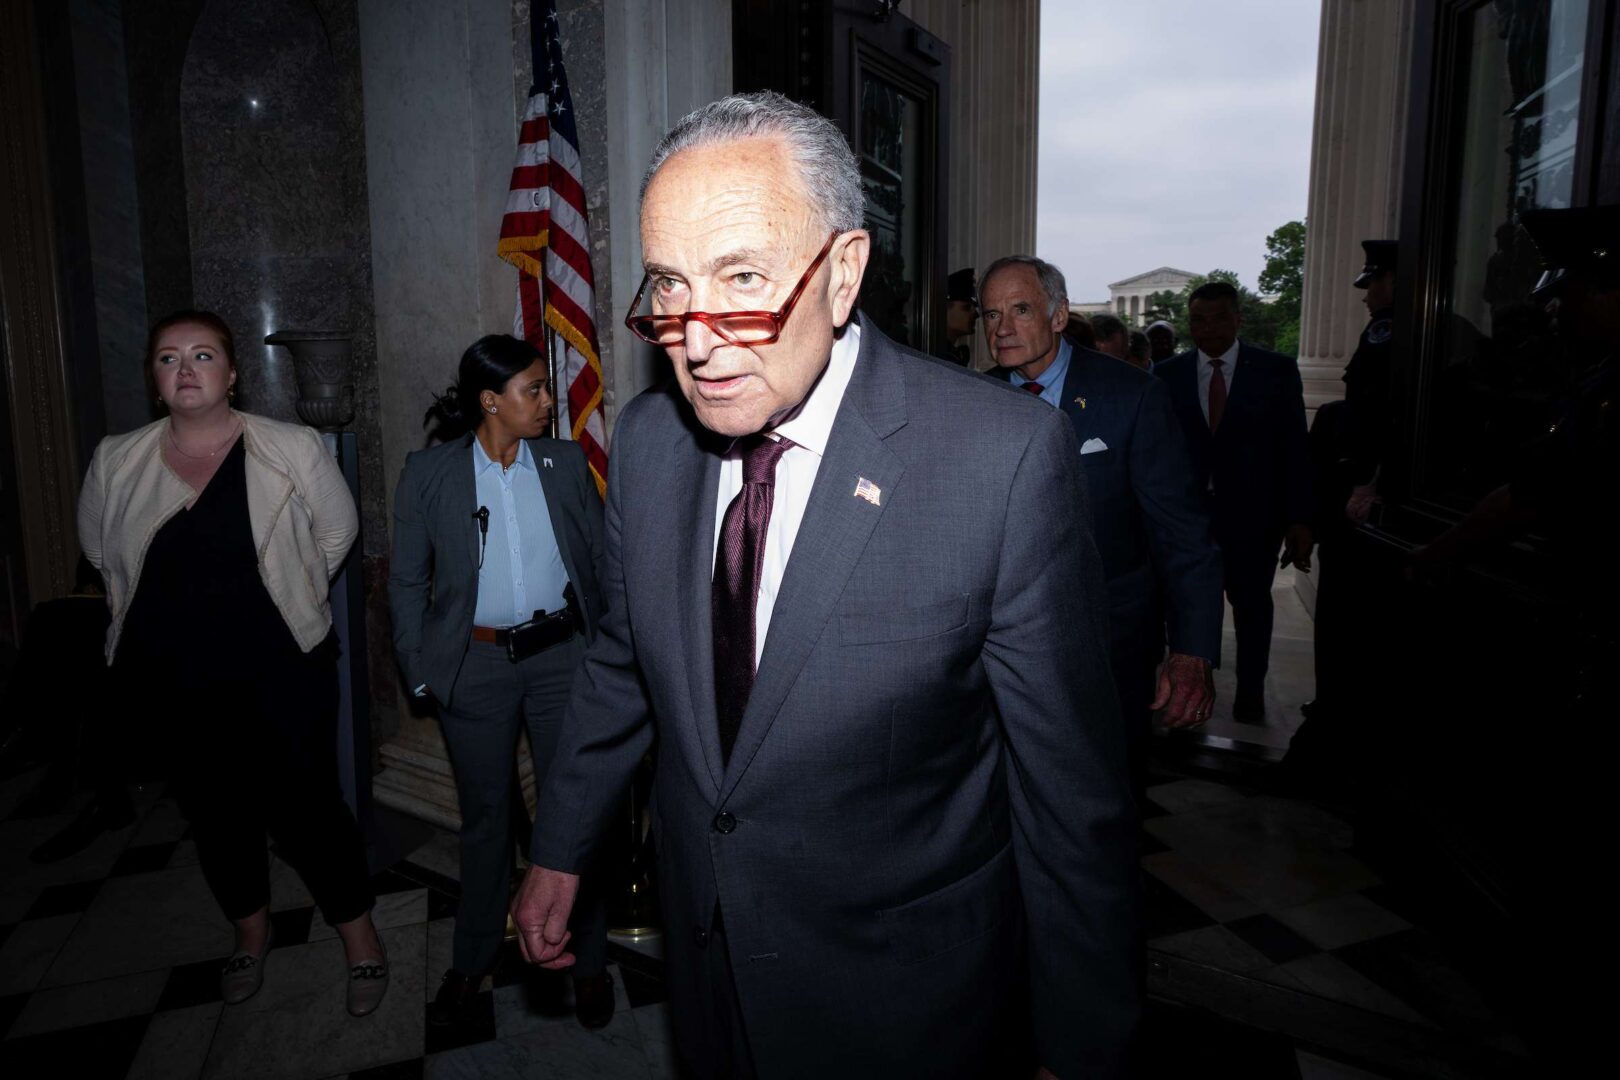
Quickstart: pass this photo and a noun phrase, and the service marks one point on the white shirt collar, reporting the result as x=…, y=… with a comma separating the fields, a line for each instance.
x=1228, y=358
x=482, y=460
x=810, y=425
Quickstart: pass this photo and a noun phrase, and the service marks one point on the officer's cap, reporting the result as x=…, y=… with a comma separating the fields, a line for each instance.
x=1380, y=258
x=959, y=286
x=1577, y=241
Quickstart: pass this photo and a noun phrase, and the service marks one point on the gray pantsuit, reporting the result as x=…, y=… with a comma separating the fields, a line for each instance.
x=493, y=698
x=484, y=697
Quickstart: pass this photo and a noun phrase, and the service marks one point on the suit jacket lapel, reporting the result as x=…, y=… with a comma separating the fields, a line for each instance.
x=694, y=489
x=551, y=488
x=831, y=537
x=464, y=509
x=1073, y=391
x=1184, y=385
x=1239, y=391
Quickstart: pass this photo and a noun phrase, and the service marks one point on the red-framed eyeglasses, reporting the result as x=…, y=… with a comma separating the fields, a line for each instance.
x=734, y=327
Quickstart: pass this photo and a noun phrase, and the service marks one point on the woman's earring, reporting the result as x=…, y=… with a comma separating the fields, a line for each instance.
x=492, y=410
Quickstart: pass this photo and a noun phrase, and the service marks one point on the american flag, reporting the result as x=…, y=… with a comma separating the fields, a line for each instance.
x=546, y=235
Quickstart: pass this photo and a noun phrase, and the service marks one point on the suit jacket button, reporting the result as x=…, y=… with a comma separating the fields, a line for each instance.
x=724, y=822
x=700, y=937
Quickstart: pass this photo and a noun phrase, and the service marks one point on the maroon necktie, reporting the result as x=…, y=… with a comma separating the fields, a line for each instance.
x=1034, y=387
x=1217, y=394
x=737, y=569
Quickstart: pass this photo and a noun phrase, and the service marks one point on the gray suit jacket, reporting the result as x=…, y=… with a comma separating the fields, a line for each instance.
x=932, y=755
x=433, y=576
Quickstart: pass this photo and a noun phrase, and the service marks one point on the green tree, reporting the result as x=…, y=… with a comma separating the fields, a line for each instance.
x=1169, y=306
x=1284, y=275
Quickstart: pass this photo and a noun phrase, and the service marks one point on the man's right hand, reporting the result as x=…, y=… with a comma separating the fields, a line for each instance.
x=541, y=911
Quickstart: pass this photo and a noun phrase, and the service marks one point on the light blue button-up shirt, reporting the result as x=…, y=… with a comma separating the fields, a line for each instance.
x=1051, y=379
x=523, y=569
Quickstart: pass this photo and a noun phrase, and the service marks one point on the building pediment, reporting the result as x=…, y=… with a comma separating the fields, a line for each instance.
x=1166, y=277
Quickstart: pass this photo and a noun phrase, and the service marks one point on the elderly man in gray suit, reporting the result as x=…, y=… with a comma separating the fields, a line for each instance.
x=854, y=594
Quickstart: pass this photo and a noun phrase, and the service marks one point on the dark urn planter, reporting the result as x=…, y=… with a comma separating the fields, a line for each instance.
x=324, y=368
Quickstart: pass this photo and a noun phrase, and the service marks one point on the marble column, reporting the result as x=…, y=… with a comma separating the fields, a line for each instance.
x=1355, y=180
x=995, y=112
x=669, y=57
x=1357, y=145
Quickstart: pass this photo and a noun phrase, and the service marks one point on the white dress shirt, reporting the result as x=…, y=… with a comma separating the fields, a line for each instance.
x=1206, y=371
x=808, y=428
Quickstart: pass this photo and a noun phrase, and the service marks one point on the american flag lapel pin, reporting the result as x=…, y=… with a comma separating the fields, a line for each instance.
x=865, y=489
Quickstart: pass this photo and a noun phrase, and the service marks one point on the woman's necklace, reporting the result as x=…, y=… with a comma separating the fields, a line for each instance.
x=203, y=457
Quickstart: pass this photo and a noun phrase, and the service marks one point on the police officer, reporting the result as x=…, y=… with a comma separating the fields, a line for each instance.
x=1346, y=445
x=1366, y=380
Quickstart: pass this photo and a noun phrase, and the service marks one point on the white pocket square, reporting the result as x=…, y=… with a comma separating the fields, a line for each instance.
x=1092, y=446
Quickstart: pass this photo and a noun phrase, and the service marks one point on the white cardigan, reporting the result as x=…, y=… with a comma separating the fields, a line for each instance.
x=302, y=515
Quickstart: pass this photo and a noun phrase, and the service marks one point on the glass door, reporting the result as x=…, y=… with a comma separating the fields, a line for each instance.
x=1491, y=367
x=890, y=80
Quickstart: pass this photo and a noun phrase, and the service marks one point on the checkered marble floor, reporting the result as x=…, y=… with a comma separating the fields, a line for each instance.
x=1272, y=889
x=109, y=967
x=109, y=961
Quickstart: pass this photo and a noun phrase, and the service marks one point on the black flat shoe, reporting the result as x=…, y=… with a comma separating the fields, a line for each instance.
x=456, y=992
x=593, y=1000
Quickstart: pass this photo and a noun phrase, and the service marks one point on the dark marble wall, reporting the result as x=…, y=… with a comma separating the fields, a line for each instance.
x=273, y=138
x=112, y=210
x=156, y=36
x=246, y=144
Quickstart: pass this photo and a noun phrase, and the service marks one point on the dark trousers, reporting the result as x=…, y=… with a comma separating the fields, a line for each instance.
x=493, y=698
x=1349, y=603
x=1249, y=567
x=729, y=1056
x=256, y=752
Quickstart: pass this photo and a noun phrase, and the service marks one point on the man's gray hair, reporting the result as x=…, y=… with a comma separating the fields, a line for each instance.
x=828, y=171
x=1050, y=277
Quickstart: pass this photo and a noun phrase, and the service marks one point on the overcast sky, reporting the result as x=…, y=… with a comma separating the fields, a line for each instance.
x=1172, y=133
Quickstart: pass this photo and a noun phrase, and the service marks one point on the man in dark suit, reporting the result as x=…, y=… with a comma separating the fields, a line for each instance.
x=1148, y=517
x=492, y=529
x=1243, y=409
x=889, y=748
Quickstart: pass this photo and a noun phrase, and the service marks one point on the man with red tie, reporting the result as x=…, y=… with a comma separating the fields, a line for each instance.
x=1243, y=409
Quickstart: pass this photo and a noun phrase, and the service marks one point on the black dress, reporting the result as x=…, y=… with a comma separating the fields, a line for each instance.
x=250, y=719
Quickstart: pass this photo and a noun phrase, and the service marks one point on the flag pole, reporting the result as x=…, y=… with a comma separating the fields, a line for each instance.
x=551, y=378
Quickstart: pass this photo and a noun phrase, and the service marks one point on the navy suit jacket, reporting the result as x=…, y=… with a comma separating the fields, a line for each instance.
x=932, y=756
x=1149, y=518
x=1259, y=460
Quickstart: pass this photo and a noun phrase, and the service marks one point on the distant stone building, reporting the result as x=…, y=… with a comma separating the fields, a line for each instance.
x=1129, y=298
